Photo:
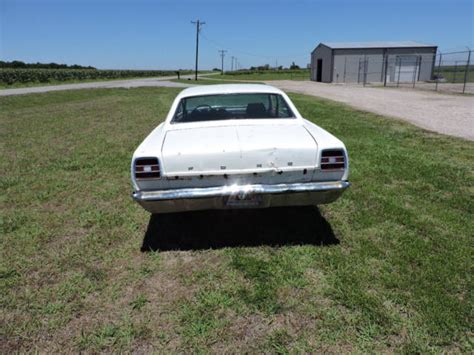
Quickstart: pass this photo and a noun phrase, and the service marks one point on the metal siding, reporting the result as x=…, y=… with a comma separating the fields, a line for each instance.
x=334, y=59
x=376, y=45
x=426, y=54
x=352, y=58
x=324, y=53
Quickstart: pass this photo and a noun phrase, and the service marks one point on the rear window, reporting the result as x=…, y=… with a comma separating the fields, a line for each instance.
x=231, y=106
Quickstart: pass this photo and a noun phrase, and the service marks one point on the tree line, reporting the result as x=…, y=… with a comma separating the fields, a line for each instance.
x=16, y=64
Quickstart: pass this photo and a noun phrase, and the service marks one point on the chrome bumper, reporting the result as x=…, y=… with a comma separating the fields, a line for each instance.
x=191, y=199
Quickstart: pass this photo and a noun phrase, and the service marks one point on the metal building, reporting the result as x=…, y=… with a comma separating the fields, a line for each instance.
x=372, y=62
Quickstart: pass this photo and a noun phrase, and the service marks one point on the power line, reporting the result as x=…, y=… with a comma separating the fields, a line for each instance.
x=220, y=45
x=198, y=29
x=222, y=52
x=266, y=57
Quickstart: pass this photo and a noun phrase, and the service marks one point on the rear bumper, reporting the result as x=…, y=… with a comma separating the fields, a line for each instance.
x=191, y=199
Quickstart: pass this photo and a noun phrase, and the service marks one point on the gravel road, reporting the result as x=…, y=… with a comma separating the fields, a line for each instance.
x=442, y=113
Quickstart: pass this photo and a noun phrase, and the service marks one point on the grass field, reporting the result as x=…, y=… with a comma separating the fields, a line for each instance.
x=206, y=81
x=452, y=74
x=387, y=268
x=268, y=75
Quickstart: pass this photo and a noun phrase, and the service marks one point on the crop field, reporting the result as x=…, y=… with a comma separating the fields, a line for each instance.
x=22, y=77
x=387, y=268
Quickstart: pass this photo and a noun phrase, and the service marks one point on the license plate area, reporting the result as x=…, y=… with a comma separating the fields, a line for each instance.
x=244, y=200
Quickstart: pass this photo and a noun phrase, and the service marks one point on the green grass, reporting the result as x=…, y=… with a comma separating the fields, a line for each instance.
x=268, y=75
x=387, y=268
x=206, y=81
x=452, y=74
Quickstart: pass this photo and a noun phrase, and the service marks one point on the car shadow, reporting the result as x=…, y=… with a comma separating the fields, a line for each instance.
x=238, y=228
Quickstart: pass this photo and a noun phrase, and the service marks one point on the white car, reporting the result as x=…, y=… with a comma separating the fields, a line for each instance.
x=237, y=146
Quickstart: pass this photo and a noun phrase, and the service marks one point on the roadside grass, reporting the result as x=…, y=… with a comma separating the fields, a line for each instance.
x=268, y=75
x=208, y=81
x=387, y=268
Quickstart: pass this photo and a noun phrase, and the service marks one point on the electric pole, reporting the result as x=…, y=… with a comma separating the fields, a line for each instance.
x=198, y=29
x=222, y=52
x=232, y=64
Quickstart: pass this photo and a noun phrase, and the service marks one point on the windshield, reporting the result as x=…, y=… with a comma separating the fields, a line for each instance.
x=231, y=106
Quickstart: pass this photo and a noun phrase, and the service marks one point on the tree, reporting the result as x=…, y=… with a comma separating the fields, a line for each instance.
x=294, y=66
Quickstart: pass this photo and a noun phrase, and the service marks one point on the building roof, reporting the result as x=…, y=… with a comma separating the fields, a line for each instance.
x=377, y=44
x=228, y=89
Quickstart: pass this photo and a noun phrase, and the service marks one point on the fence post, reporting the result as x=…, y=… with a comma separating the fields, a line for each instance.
x=385, y=70
x=466, y=72
x=366, y=64
x=399, y=70
x=455, y=70
x=439, y=69
x=417, y=71
x=358, y=73
x=345, y=62
x=414, y=73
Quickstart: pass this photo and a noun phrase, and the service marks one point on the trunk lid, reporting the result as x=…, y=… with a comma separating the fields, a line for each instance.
x=238, y=149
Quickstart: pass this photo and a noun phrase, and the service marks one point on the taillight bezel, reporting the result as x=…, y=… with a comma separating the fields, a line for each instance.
x=146, y=168
x=333, y=160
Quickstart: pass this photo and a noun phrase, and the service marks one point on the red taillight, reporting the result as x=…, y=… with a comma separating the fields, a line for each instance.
x=332, y=160
x=147, y=168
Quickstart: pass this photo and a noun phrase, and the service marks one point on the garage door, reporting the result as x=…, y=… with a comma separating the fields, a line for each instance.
x=406, y=68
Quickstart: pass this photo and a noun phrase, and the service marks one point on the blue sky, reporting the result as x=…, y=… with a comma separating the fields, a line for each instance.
x=145, y=34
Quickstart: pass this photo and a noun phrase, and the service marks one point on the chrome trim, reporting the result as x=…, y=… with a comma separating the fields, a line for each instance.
x=298, y=194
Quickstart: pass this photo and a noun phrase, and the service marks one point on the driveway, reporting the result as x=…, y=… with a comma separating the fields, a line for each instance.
x=442, y=113
x=127, y=83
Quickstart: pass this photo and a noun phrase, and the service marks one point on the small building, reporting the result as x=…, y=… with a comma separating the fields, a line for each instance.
x=372, y=62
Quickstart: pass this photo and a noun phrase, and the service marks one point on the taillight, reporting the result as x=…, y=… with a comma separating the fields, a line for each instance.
x=147, y=168
x=332, y=160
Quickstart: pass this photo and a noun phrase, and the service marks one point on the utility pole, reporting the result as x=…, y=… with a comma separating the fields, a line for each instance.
x=198, y=29
x=222, y=52
x=232, y=64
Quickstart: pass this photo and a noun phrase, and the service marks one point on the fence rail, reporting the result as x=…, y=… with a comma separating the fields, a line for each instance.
x=451, y=71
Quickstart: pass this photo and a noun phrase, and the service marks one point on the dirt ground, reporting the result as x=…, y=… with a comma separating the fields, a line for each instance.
x=443, y=113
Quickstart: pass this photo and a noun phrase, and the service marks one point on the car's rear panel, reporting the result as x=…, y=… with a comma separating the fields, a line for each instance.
x=199, y=165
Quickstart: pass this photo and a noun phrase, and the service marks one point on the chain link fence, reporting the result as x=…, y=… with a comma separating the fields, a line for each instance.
x=454, y=71
x=444, y=72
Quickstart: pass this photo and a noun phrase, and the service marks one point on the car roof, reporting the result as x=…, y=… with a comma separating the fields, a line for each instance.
x=228, y=89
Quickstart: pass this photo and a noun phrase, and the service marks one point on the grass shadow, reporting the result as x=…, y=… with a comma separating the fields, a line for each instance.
x=236, y=228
